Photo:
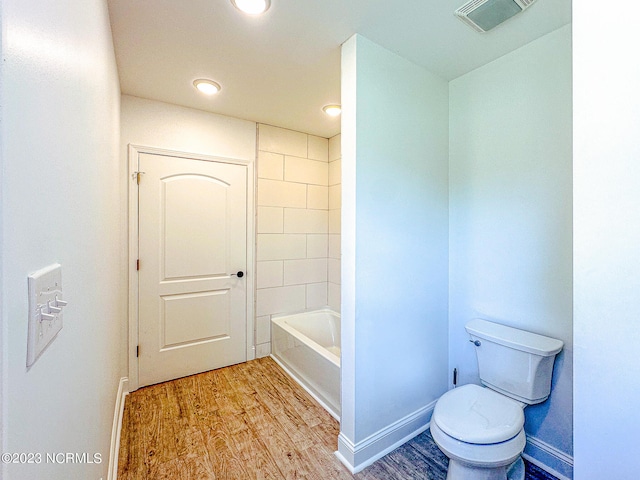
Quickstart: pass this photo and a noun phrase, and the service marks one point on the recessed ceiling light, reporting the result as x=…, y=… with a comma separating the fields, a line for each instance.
x=332, y=110
x=208, y=87
x=252, y=7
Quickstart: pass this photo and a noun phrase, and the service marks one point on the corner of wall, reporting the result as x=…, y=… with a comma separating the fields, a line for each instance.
x=548, y=458
x=357, y=456
x=510, y=229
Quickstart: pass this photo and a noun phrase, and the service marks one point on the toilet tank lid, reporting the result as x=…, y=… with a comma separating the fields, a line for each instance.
x=514, y=337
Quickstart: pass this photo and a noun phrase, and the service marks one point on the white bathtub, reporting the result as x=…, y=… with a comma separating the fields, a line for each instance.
x=307, y=346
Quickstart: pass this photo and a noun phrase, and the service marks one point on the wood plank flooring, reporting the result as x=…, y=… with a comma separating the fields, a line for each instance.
x=248, y=421
x=251, y=421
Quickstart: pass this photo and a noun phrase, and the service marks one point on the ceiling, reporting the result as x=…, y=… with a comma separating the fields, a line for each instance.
x=281, y=68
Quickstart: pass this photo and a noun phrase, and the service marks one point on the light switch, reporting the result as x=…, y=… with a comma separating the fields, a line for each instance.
x=46, y=304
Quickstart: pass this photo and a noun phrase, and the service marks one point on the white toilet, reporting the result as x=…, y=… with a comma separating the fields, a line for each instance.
x=481, y=429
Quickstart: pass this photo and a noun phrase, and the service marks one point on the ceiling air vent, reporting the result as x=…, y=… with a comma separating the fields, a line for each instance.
x=483, y=15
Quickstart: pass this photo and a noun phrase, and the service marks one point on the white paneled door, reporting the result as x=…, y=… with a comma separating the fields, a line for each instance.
x=192, y=246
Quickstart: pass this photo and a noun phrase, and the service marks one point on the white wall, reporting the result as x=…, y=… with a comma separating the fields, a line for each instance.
x=61, y=203
x=3, y=345
x=510, y=214
x=155, y=124
x=394, y=244
x=607, y=240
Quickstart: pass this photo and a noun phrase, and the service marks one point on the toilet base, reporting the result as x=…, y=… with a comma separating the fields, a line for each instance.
x=460, y=471
x=516, y=471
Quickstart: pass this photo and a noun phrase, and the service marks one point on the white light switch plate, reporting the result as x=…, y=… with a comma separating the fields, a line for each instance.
x=45, y=310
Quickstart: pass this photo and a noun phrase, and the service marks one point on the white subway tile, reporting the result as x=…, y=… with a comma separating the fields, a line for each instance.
x=281, y=247
x=312, y=270
x=299, y=220
x=317, y=197
x=334, y=246
x=335, y=172
x=270, y=220
x=318, y=148
x=334, y=296
x=306, y=171
x=270, y=274
x=335, y=196
x=317, y=245
x=334, y=270
x=280, y=300
x=271, y=165
x=263, y=329
x=273, y=193
x=335, y=150
x=316, y=295
x=281, y=140
x=334, y=221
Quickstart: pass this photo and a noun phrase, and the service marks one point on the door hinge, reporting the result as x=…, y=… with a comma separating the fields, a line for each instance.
x=137, y=350
x=137, y=176
x=138, y=264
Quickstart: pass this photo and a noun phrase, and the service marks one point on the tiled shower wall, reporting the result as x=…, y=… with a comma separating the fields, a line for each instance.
x=298, y=226
x=335, y=202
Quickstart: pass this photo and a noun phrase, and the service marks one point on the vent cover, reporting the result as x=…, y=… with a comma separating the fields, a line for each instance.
x=483, y=15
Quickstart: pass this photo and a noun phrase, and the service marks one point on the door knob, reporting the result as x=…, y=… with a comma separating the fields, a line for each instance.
x=240, y=274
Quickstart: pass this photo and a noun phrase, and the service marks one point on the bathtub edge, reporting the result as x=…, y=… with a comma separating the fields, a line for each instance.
x=307, y=389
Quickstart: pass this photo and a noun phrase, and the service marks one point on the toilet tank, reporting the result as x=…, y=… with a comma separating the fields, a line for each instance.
x=514, y=362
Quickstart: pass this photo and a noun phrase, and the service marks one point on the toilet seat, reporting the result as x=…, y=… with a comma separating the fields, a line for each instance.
x=481, y=456
x=477, y=415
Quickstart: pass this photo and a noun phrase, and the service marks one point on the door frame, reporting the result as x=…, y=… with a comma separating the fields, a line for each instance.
x=134, y=152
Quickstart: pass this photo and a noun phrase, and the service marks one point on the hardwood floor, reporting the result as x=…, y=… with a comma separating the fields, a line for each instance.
x=251, y=421
x=248, y=421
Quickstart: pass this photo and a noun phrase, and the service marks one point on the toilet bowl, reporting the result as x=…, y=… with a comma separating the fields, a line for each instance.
x=481, y=429
x=481, y=432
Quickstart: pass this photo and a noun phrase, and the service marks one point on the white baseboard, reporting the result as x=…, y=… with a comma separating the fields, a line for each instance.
x=114, y=449
x=549, y=458
x=356, y=457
